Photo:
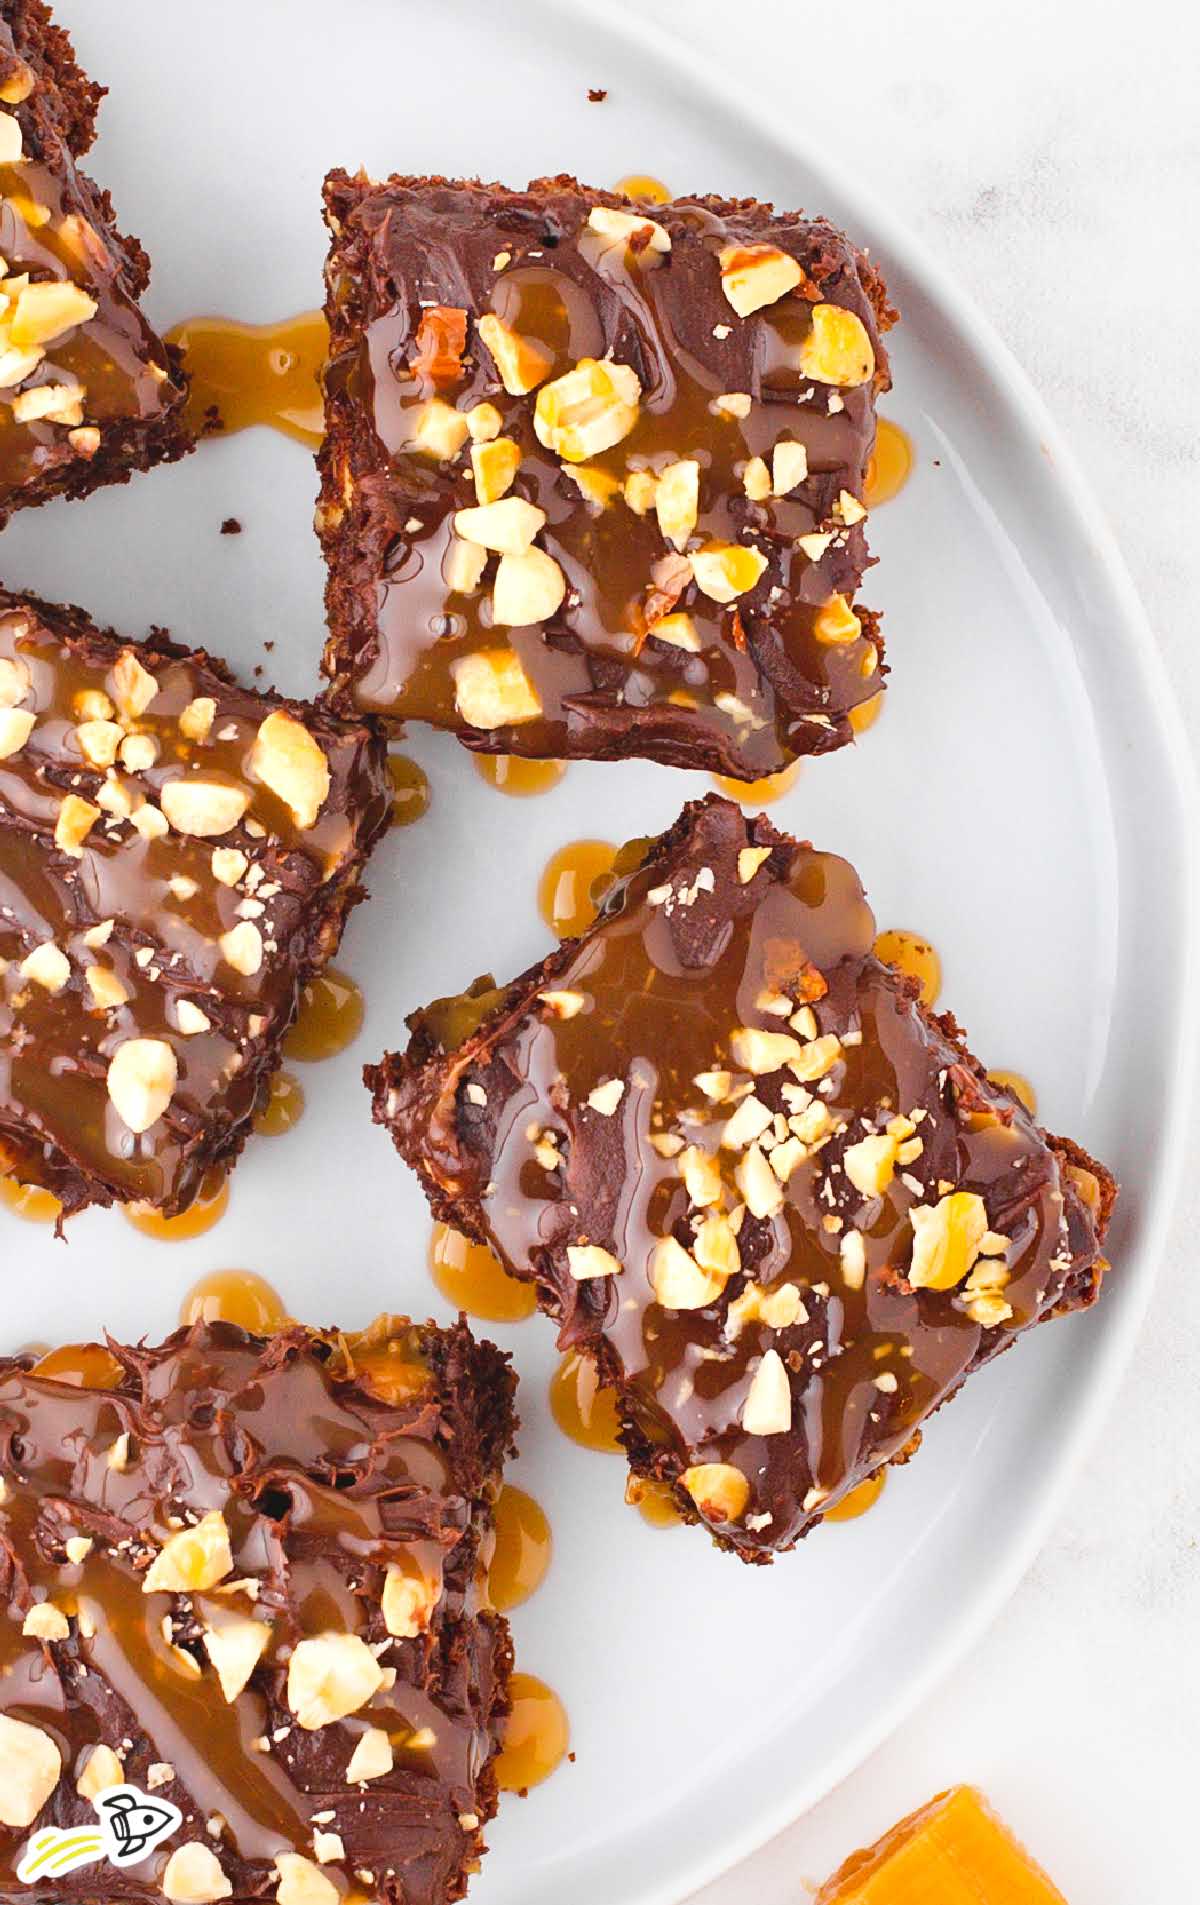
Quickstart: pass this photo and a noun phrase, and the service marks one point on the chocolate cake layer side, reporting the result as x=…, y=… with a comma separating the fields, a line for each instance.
x=593, y=471
x=781, y=1205
x=88, y=392
x=248, y=1576
x=178, y=855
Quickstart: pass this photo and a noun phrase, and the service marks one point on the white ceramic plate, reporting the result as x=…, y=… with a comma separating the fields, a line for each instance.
x=1023, y=801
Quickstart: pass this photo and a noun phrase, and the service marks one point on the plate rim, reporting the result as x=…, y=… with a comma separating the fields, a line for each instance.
x=1113, y=1352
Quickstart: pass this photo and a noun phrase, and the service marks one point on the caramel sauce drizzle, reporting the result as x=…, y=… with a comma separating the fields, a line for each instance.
x=1020, y=1087
x=582, y=1409
x=890, y=464
x=256, y=373
x=866, y=714
x=330, y=1017
x=235, y=1296
x=83, y=1365
x=566, y=898
x=283, y=1109
x=522, y=1551
x=536, y=1735
x=202, y=1215
x=472, y=1278
x=643, y=185
x=859, y=1500
x=410, y=790
x=511, y=774
x=30, y=1201
x=762, y=792
x=913, y=956
x=654, y=1502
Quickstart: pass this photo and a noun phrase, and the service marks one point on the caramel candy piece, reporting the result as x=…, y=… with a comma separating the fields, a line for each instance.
x=954, y=1851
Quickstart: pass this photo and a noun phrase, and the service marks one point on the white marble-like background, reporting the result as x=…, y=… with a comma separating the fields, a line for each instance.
x=1050, y=151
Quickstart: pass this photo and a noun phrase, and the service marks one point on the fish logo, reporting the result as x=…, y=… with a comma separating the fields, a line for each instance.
x=129, y=1826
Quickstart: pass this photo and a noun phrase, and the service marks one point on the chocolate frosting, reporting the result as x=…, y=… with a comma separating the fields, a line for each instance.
x=728, y=1002
x=416, y=265
x=330, y=1459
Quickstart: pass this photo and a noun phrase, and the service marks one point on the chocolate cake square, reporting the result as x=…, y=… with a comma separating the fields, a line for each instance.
x=241, y=1578
x=776, y=1201
x=593, y=470
x=177, y=858
x=88, y=392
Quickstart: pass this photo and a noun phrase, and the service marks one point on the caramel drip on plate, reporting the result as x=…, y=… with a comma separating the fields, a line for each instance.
x=330, y=1017
x=913, y=956
x=510, y=774
x=204, y=1214
x=256, y=373
x=536, y=1735
x=643, y=185
x=1020, y=1087
x=523, y=1549
x=30, y=1201
x=565, y=890
x=866, y=714
x=890, y=464
x=760, y=793
x=472, y=1278
x=582, y=1409
x=654, y=1502
x=859, y=1500
x=83, y=1365
x=283, y=1109
x=235, y=1296
x=410, y=790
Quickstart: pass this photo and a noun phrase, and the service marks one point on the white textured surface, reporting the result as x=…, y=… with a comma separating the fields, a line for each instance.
x=1022, y=141
x=1050, y=154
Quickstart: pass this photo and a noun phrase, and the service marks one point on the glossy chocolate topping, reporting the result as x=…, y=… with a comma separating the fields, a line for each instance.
x=338, y=1487
x=704, y=572
x=177, y=856
x=778, y=1202
x=87, y=391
